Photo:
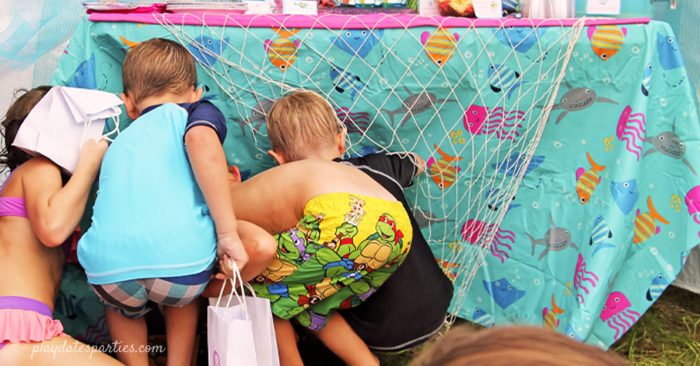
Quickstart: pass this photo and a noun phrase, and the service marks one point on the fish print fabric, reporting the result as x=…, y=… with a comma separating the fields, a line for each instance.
x=609, y=202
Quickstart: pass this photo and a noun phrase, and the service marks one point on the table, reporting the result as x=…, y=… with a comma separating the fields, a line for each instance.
x=622, y=135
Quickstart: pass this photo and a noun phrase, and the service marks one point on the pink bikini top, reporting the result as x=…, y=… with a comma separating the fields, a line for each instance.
x=12, y=206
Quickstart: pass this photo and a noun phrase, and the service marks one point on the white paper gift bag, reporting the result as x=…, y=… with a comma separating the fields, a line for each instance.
x=241, y=332
x=63, y=120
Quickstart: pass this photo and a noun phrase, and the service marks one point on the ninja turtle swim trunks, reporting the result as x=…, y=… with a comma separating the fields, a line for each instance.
x=343, y=248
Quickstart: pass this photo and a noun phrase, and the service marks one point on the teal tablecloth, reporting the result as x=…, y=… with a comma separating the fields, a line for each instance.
x=623, y=135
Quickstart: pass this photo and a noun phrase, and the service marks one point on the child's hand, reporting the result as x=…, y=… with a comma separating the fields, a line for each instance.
x=92, y=152
x=230, y=248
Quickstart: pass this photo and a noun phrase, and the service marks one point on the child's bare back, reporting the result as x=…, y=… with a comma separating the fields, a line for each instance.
x=275, y=199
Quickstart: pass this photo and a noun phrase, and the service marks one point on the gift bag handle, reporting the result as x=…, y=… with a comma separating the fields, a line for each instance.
x=241, y=296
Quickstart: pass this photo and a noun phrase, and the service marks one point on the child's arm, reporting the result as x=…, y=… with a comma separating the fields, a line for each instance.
x=54, y=210
x=419, y=163
x=208, y=162
x=261, y=247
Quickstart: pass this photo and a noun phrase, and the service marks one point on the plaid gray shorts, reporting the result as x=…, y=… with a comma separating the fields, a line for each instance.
x=130, y=298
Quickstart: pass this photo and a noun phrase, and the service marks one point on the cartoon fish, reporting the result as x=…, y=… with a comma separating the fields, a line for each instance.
x=625, y=194
x=606, y=40
x=578, y=99
x=520, y=39
x=444, y=170
x=646, y=80
x=84, y=76
x=282, y=51
x=449, y=268
x=551, y=316
x=513, y=164
x=358, y=42
x=555, y=239
x=495, y=199
x=669, y=52
x=127, y=42
x=347, y=81
x=480, y=316
x=588, y=180
x=207, y=49
x=440, y=45
x=658, y=285
x=503, y=79
x=670, y=144
x=645, y=223
x=503, y=293
x=600, y=235
x=415, y=103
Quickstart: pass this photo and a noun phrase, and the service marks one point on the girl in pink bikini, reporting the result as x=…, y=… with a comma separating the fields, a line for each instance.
x=38, y=213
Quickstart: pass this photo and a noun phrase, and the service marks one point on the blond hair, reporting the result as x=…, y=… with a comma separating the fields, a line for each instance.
x=301, y=123
x=156, y=67
x=513, y=345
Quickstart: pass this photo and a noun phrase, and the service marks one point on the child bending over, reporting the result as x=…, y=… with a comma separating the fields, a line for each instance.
x=164, y=210
x=38, y=212
x=419, y=287
x=340, y=234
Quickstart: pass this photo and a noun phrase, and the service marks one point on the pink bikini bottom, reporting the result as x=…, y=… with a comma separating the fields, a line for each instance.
x=26, y=320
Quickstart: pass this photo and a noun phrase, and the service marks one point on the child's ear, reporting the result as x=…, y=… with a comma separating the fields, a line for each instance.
x=279, y=157
x=198, y=92
x=235, y=174
x=130, y=106
x=340, y=142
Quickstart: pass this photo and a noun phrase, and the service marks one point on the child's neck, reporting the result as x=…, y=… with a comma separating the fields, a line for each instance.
x=162, y=99
x=324, y=154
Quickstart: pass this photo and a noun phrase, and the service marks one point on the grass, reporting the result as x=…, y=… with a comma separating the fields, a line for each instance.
x=667, y=334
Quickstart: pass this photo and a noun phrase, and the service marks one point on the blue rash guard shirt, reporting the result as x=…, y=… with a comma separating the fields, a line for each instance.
x=150, y=219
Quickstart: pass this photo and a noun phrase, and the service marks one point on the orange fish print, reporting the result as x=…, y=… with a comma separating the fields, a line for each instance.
x=444, y=170
x=606, y=40
x=645, y=223
x=551, y=316
x=588, y=180
x=282, y=51
x=440, y=45
x=449, y=268
x=127, y=42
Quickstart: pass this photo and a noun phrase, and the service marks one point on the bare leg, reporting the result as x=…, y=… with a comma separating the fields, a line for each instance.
x=287, y=343
x=62, y=350
x=128, y=334
x=345, y=343
x=181, y=329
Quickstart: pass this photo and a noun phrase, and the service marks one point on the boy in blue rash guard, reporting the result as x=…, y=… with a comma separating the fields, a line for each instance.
x=163, y=211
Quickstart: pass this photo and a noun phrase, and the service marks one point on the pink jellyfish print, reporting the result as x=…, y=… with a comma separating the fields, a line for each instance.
x=631, y=128
x=583, y=279
x=617, y=313
x=474, y=230
x=480, y=120
x=692, y=199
